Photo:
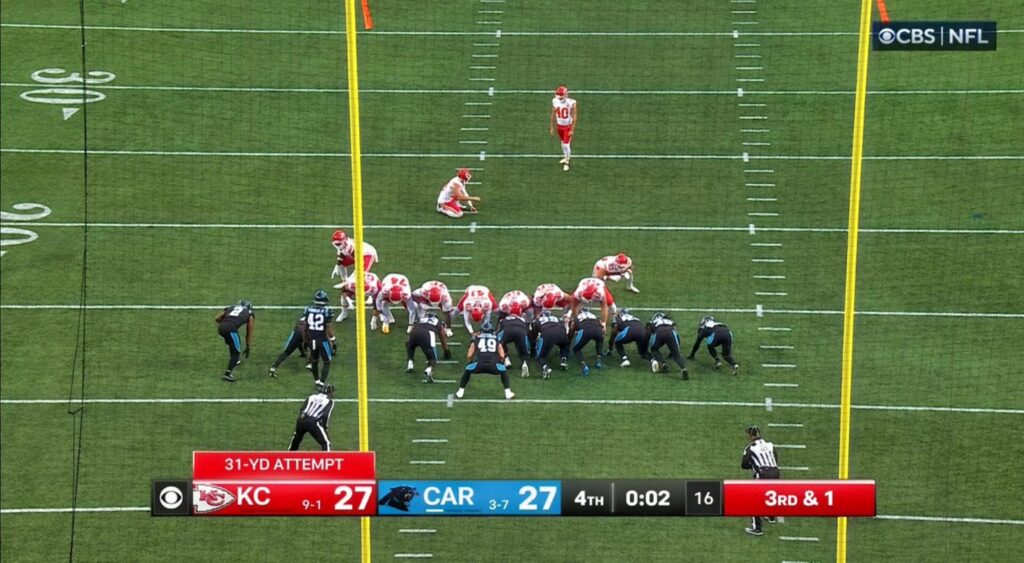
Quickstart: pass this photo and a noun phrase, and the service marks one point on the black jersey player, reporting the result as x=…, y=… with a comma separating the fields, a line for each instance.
x=232, y=318
x=512, y=329
x=587, y=328
x=549, y=331
x=485, y=355
x=716, y=335
x=319, y=336
x=628, y=328
x=425, y=334
x=661, y=331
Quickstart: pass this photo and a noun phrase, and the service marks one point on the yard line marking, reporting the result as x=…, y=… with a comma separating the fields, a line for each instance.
x=755, y=130
x=797, y=538
x=744, y=23
x=456, y=258
x=747, y=45
x=767, y=260
x=472, y=143
x=756, y=144
x=776, y=347
x=486, y=44
x=952, y=520
x=453, y=274
x=484, y=56
x=747, y=56
x=750, y=80
x=771, y=293
x=750, y=68
x=778, y=366
x=474, y=116
x=659, y=228
x=759, y=310
x=458, y=242
x=770, y=244
x=482, y=67
x=481, y=79
x=433, y=461
x=791, y=446
x=760, y=184
x=744, y=11
x=798, y=468
x=590, y=402
x=764, y=277
x=490, y=12
x=752, y=105
x=775, y=328
x=781, y=384
x=477, y=104
x=114, y=152
x=753, y=117
x=430, y=441
x=415, y=555
x=784, y=425
x=433, y=420
x=417, y=531
x=759, y=171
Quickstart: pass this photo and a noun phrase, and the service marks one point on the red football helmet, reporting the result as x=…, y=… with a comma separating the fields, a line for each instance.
x=622, y=259
x=515, y=309
x=477, y=313
x=561, y=91
x=589, y=292
x=434, y=295
x=338, y=237
x=549, y=301
x=465, y=174
x=395, y=295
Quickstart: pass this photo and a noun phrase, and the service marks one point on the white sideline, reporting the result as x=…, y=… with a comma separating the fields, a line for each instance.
x=101, y=509
x=258, y=154
x=593, y=402
x=454, y=33
x=948, y=314
x=659, y=228
x=545, y=92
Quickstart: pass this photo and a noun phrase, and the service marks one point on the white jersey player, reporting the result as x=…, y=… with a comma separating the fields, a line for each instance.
x=476, y=305
x=549, y=296
x=394, y=290
x=431, y=295
x=615, y=268
x=592, y=292
x=346, y=249
x=515, y=297
x=564, y=120
x=348, y=294
x=454, y=200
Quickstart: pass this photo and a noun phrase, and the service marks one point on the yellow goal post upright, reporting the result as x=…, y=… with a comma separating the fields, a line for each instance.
x=357, y=232
x=850, y=292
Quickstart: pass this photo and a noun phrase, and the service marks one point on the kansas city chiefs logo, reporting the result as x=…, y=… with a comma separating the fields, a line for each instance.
x=210, y=498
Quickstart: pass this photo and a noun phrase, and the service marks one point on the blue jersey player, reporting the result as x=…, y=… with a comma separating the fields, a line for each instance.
x=232, y=318
x=318, y=336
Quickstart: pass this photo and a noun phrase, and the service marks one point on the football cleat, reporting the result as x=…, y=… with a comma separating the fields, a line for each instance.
x=564, y=161
x=545, y=372
x=561, y=91
x=633, y=289
x=685, y=375
x=509, y=394
x=273, y=371
x=771, y=519
x=228, y=377
x=753, y=531
x=718, y=364
x=373, y=323
x=385, y=327
x=410, y=367
x=565, y=167
x=460, y=393
x=563, y=364
x=318, y=384
x=736, y=369
x=655, y=367
x=525, y=370
x=508, y=362
x=586, y=370
x=598, y=364
x=428, y=376
x=625, y=362
x=309, y=366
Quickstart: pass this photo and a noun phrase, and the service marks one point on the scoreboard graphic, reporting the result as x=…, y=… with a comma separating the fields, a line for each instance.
x=345, y=484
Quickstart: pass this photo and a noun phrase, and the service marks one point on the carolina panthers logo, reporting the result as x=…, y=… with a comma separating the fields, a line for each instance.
x=399, y=498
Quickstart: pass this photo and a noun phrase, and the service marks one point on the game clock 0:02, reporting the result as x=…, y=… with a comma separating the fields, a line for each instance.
x=650, y=497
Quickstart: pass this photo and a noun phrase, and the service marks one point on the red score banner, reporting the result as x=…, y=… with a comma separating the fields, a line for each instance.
x=287, y=466
x=284, y=498
x=777, y=497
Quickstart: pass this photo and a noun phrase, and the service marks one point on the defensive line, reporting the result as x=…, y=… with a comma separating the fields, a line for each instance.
x=585, y=402
x=496, y=92
x=660, y=228
x=751, y=311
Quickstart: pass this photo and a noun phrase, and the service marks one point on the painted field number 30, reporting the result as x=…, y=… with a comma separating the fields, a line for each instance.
x=68, y=95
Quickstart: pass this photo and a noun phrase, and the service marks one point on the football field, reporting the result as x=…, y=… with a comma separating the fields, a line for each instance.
x=206, y=159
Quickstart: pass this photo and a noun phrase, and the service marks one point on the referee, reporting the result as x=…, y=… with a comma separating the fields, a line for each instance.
x=314, y=418
x=759, y=456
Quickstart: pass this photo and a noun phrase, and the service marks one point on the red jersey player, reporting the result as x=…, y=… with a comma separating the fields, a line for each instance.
x=394, y=290
x=348, y=294
x=592, y=292
x=514, y=297
x=564, y=119
x=616, y=268
x=346, y=248
x=451, y=200
x=548, y=296
x=476, y=305
x=432, y=294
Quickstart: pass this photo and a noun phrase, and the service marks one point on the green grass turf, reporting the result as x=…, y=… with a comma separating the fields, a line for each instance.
x=927, y=463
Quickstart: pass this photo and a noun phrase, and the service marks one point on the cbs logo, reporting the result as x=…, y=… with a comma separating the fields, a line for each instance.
x=171, y=497
x=887, y=36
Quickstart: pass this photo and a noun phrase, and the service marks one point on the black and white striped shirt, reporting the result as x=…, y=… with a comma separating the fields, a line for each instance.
x=759, y=456
x=318, y=406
